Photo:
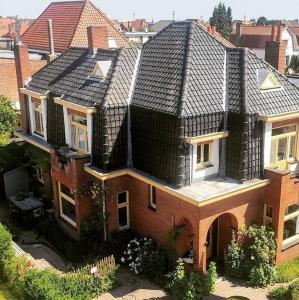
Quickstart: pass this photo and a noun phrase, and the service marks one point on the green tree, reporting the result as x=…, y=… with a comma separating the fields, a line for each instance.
x=8, y=120
x=293, y=66
x=222, y=19
x=261, y=21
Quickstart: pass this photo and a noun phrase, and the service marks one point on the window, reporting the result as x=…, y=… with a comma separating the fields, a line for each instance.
x=38, y=118
x=268, y=216
x=102, y=68
x=39, y=175
x=283, y=146
x=267, y=81
x=153, y=197
x=291, y=225
x=67, y=204
x=123, y=212
x=79, y=135
x=203, y=159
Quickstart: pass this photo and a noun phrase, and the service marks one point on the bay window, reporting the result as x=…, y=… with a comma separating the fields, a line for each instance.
x=67, y=204
x=291, y=225
x=283, y=146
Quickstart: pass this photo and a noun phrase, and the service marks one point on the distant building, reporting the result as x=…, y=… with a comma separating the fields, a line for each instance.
x=256, y=37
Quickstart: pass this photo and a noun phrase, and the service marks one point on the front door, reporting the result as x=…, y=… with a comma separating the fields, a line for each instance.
x=212, y=240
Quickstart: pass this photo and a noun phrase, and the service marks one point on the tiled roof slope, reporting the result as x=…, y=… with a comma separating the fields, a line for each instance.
x=181, y=72
x=70, y=20
x=295, y=30
x=93, y=16
x=283, y=100
x=69, y=76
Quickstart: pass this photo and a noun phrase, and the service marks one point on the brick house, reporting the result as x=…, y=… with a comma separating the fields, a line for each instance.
x=186, y=132
x=258, y=38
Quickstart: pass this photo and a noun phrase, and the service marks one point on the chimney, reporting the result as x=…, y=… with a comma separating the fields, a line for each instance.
x=213, y=30
x=275, y=52
x=23, y=74
x=51, y=55
x=97, y=38
x=239, y=28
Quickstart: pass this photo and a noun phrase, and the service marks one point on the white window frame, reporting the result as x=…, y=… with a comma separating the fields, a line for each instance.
x=288, y=136
x=70, y=200
x=267, y=218
x=43, y=120
x=294, y=237
x=78, y=127
x=127, y=205
x=152, y=204
x=202, y=164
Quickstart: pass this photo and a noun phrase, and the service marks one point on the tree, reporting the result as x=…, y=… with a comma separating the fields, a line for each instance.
x=8, y=120
x=261, y=21
x=222, y=19
x=293, y=67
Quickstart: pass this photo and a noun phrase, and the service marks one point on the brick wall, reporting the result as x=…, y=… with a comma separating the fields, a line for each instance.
x=275, y=54
x=8, y=82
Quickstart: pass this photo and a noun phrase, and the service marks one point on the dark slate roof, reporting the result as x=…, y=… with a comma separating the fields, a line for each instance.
x=272, y=102
x=69, y=76
x=181, y=72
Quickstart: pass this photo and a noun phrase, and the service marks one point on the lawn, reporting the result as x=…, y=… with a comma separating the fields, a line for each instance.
x=288, y=271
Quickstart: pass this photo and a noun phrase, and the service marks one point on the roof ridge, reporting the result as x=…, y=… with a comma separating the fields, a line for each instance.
x=109, y=21
x=186, y=75
x=113, y=76
x=79, y=19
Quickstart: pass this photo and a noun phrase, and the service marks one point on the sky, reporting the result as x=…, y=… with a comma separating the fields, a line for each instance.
x=163, y=9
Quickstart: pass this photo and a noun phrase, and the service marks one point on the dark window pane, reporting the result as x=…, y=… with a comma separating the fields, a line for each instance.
x=65, y=190
x=206, y=152
x=154, y=200
x=291, y=209
x=68, y=209
x=291, y=228
x=269, y=211
x=122, y=198
x=198, y=154
x=122, y=217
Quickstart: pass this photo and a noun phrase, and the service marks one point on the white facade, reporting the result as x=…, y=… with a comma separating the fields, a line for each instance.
x=140, y=37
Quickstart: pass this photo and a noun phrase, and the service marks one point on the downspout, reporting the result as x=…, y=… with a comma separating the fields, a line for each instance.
x=104, y=209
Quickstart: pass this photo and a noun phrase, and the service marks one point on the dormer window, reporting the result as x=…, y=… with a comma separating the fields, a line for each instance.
x=79, y=133
x=101, y=69
x=38, y=118
x=37, y=110
x=112, y=43
x=203, y=158
x=267, y=81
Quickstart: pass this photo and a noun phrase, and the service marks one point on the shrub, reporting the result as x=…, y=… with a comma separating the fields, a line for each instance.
x=144, y=256
x=6, y=248
x=288, y=271
x=209, y=279
x=234, y=258
x=184, y=287
x=279, y=293
x=254, y=259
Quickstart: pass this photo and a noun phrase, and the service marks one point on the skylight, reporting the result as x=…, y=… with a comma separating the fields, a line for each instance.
x=267, y=81
x=101, y=69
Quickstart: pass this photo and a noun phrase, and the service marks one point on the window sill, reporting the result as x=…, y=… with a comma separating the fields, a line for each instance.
x=199, y=168
x=290, y=242
x=154, y=209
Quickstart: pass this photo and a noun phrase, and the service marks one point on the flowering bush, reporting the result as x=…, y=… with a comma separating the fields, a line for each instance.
x=143, y=256
x=255, y=258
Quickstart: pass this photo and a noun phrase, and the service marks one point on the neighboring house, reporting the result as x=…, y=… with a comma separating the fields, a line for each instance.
x=8, y=82
x=139, y=37
x=187, y=133
x=70, y=20
x=160, y=25
x=256, y=38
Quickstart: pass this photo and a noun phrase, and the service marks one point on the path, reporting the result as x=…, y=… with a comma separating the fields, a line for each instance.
x=226, y=288
x=135, y=288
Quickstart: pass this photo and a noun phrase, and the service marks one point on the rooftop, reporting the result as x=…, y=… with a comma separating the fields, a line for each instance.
x=70, y=20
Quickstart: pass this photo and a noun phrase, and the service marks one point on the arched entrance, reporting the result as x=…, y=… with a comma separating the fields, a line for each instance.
x=184, y=244
x=219, y=236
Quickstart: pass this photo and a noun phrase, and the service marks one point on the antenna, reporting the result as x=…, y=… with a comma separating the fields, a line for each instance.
x=133, y=16
x=173, y=15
